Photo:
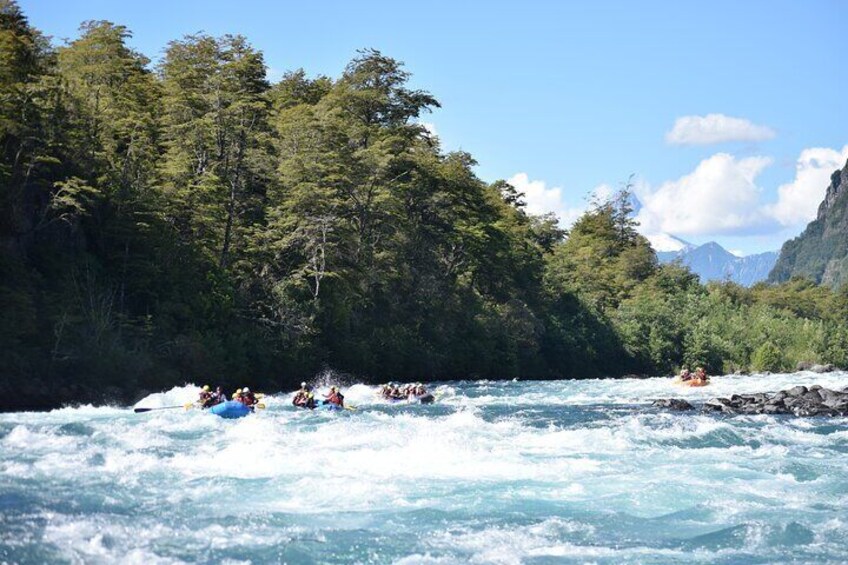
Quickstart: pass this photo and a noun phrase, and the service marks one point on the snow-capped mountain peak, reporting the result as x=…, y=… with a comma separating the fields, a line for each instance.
x=667, y=242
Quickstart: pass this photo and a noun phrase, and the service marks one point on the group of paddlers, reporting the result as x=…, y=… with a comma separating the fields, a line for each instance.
x=305, y=397
x=409, y=392
x=208, y=398
x=697, y=377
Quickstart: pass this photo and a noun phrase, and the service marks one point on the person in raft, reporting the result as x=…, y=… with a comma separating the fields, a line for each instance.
x=685, y=375
x=701, y=375
x=205, y=397
x=304, y=398
x=335, y=397
x=248, y=398
x=218, y=396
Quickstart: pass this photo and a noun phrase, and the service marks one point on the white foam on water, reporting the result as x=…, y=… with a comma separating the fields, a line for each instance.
x=97, y=541
x=177, y=396
x=510, y=545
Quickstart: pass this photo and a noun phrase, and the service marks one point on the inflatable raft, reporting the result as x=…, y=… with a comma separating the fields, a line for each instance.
x=322, y=405
x=230, y=409
x=426, y=398
x=328, y=406
x=692, y=382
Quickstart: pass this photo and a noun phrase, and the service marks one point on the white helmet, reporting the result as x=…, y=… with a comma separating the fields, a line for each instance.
x=302, y=385
x=245, y=389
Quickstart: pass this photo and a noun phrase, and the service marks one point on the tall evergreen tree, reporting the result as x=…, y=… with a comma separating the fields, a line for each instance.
x=216, y=129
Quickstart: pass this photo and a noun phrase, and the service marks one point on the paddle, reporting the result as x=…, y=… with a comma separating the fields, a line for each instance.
x=187, y=406
x=139, y=410
x=351, y=408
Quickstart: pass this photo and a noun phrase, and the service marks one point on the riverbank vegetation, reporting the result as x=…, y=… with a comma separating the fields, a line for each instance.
x=190, y=221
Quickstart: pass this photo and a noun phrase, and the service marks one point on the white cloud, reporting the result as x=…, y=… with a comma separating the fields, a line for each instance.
x=430, y=127
x=715, y=128
x=719, y=196
x=798, y=201
x=603, y=192
x=542, y=199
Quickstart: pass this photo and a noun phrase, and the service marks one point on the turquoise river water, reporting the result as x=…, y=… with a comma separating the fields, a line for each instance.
x=494, y=472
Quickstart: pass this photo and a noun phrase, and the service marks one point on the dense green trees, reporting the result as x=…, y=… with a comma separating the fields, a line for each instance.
x=193, y=222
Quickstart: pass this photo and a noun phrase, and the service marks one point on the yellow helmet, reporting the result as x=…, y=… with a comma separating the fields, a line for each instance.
x=238, y=391
x=205, y=388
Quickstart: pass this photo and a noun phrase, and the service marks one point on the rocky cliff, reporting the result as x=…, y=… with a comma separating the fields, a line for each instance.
x=821, y=251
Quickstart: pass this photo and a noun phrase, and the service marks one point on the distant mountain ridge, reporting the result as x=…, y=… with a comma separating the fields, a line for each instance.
x=712, y=262
x=821, y=251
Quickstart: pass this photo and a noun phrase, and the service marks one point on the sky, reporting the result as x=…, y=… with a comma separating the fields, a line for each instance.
x=730, y=115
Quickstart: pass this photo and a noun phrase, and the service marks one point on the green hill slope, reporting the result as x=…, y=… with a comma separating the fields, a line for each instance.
x=821, y=251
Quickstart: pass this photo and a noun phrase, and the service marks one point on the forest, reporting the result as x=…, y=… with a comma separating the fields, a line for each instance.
x=189, y=221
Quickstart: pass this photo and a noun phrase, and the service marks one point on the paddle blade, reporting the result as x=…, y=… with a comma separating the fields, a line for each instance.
x=139, y=410
x=260, y=406
x=351, y=408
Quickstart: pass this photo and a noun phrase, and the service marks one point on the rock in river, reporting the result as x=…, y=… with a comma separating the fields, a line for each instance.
x=797, y=401
x=673, y=404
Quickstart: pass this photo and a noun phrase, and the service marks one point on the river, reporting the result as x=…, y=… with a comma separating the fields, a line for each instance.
x=494, y=472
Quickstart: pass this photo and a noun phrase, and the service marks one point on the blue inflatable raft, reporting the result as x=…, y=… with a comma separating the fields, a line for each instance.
x=230, y=409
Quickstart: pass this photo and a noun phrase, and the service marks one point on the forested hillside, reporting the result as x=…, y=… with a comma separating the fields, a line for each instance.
x=192, y=222
x=821, y=252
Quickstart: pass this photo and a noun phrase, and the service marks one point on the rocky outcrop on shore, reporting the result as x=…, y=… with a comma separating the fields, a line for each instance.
x=815, y=368
x=796, y=401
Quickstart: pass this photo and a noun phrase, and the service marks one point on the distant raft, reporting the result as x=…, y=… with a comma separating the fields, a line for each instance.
x=691, y=382
x=426, y=398
x=230, y=409
x=321, y=405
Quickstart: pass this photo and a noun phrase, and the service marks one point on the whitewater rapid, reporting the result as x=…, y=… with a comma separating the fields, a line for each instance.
x=493, y=472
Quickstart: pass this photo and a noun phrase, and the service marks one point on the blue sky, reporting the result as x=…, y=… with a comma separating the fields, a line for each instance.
x=731, y=114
